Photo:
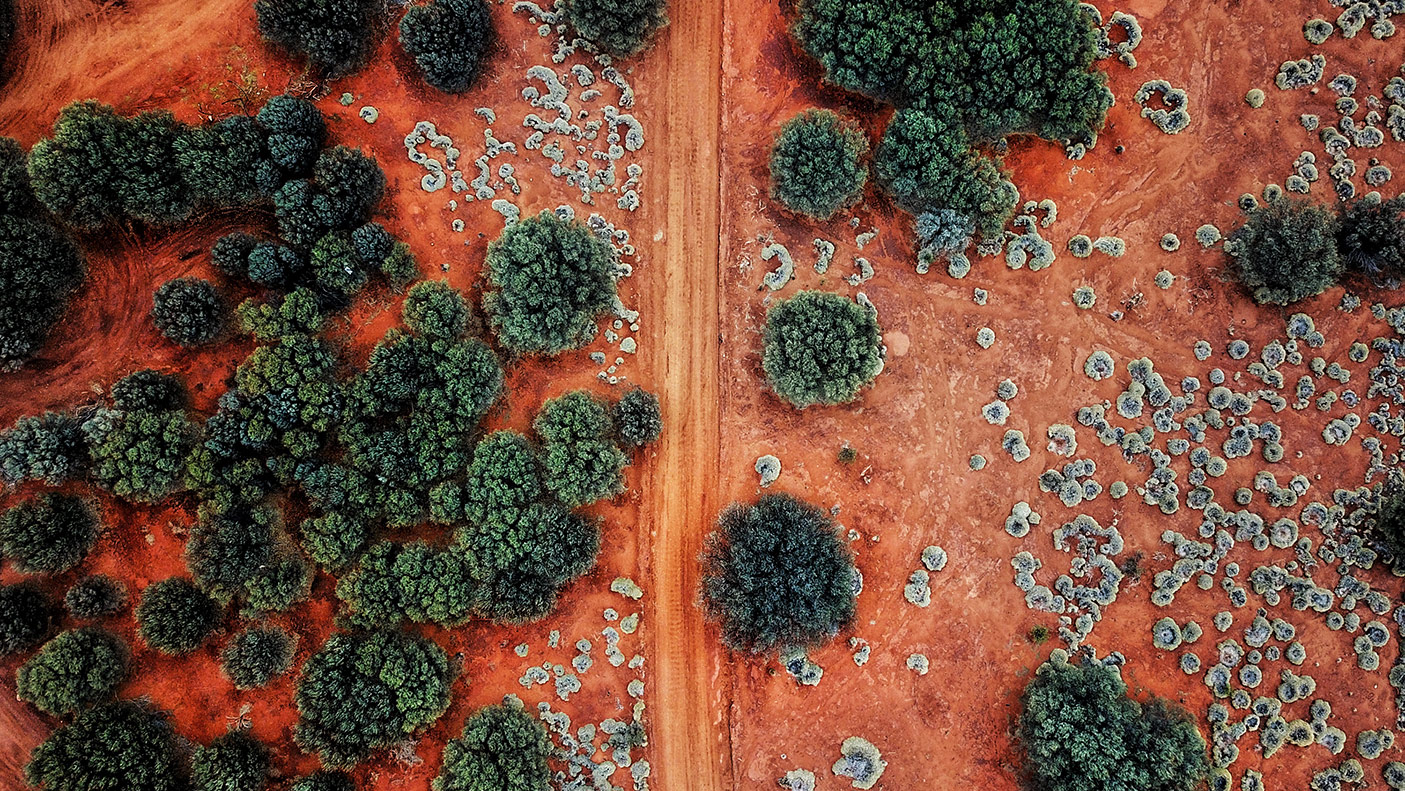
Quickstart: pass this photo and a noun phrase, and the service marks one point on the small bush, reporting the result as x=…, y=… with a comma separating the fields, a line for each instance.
x=336, y=36
x=1286, y=251
x=175, y=617
x=235, y=761
x=324, y=780
x=258, y=654
x=74, y=670
x=97, y=596
x=503, y=748
x=49, y=534
x=777, y=575
x=637, y=419
x=26, y=616
x=189, y=311
x=817, y=165
x=149, y=390
x=120, y=745
x=617, y=27
x=449, y=40
x=436, y=310
x=820, y=348
x=1371, y=237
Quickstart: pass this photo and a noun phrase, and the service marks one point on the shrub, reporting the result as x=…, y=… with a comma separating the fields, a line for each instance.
x=256, y=655
x=235, y=761
x=617, y=27
x=820, y=348
x=522, y=564
x=225, y=162
x=149, y=390
x=1080, y=732
x=97, y=596
x=296, y=131
x=336, y=36
x=50, y=447
x=324, y=780
x=49, y=534
x=582, y=464
x=26, y=615
x=362, y=692
x=550, y=279
x=1286, y=251
x=637, y=419
x=189, y=311
x=415, y=581
x=40, y=268
x=334, y=539
x=174, y=616
x=777, y=575
x=1371, y=236
x=502, y=749
x=75, y=670
x=817, y=165
x=116, y=745
x=449, y=40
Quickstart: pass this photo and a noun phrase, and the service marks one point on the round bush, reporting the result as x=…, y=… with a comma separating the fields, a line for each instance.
x=637, y=418
x=189, y=311
x=26, y=616
x=97, y=596
x=50, y=447
x=120, y=745
x=257, y=655
x=174, y=616
x=817, y=165
x=777, y=575
x=235, y=761
x=74, y=670
x=336, y=36
x=436, y=310
x=449, y=40
x=617, y=27
x=48, y=534
x=503, y=748
x=820, y=348
x=1371, y=236
x=1286, y=251
x=148, y=390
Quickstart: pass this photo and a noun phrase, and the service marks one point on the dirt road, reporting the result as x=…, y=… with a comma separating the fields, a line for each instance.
x=688, y=716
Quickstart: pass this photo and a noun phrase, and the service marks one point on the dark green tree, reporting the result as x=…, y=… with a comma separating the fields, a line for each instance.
x=777, y=575
x=395, y=582
x=256, y=655
x=121, y=745
x=296, y=132
x=1080, y=732
x=1286, y=251
x=550, y=278
x=336, y=36
x=40, y=268
x=48, y=534
x=1371, y=236
x=50, y=447
x=226, y=550
x=324, y=780
x=230, y=253
x=617, y=27
x=226, y=163
x=16, y=196
x=637, y=418
x=504, y=478
x=26, y=616
x=334, y=539
x=174, y=616
x=344, y=188
x=189, y=311
x=149, y=390
x=449, y=40
x=582, y=462
x=363, y=692
x=503, y=748
x=235, y=761
x=76, y=669
x=97, y=596
x=817, y=164
x=521, y=565
x=279, y=584
x=434, y=309
x=820, y=348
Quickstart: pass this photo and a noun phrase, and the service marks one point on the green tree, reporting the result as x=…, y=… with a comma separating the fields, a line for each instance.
x=434, y=309
x=50, y=447
x=97, y=596
x=73, y=671
x=116, y=745
x=336, y=36
x=1371, y=236
x=226, y=550
x=139, y=456
x=256, y=655
x=522, y=564
x=817, y=164
x=637, y=418
x=617, y=27
x=777, y=575
x=344, y=188
x=449, y=40
x=235, y=761
x=502, y=749
x=362, y=692
x=296, y=131
x=334, y=539
x=174, y=616
x=225, y=162
x=550, y=279
x=394, y=582
x=26, y=616
x=48, y=534
x=295, y=313
x=820, y=348
x=40, y=268
x=16, y=194
x=189, y=311
x=324, y=780
x=1080, y=732
x=279, y=584
x=1286, y=251
x=583, y=464
x=149, y=390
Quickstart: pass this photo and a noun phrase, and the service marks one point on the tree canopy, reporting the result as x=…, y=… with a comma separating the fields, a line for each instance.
x=324, y=780
x=76, y=669
x=1286, y=251
x=50, y=447
x=820, y=348
x=449, y=40
x=637, y=418
x=40, y=268
x=235, y=761
x=174, y=616
x=617, y=27
x=116, y=745
x=139, y=456
x=503, y=748
x=344, y=188
x=817, y=164
x=256, y=655
x=777, y=575
x=97, y=596
x=394, y=582
x=1371, y=236
x=336, y=36
x=582, y=462
x=227, y=550
x=26, y=616
x=189, y=311
x=48, y=534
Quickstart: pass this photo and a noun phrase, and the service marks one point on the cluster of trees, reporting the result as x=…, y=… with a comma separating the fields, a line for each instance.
x=336, y=36
x=820, y=348
x=76, y=669
x=244, y=553
x=817, y=164
x=617, y=27
x=551, y=279
x=503, y=748
x=1080, y=732
x=113, y=745
x=449, y=40
x=367, y=691
x=48, y=534
x=777, y=575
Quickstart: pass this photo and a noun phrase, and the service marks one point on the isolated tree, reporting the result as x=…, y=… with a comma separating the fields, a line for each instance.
x=1286, y=251
x=617, y=27
x=1080, y=732
x=116, y=745
x=581, y=460
x=1371, y=236
x=637, y=418
x=97, y=596
x=362, y=692
x=73, y=671
x=149, y=390
x=26, y=615
x=550, y=278
x=50, y=447
x=396, y=582
x=189, y=311
x=174, y=616
x=777, y=575
x=225, y=162
x=225, y=550
x=256, y=655
x=435, y=310
x=817, y=164
x=48, y=534
x=503, y=748
x=40, y=268
x=235, y=761
x=324, y=780
x=336, y=36
x=820, y=348
x=449, y=40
